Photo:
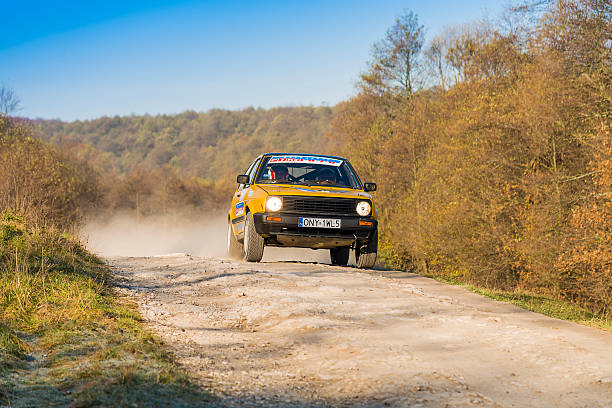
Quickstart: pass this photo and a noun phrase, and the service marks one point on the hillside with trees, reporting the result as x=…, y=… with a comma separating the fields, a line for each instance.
x=491, y=147
x=210, y=145
x=189, y=161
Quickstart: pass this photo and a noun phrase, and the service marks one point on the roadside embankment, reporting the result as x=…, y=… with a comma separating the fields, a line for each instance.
x=66, y=339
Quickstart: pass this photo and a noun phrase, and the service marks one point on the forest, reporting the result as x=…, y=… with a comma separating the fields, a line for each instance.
x=187, y=162
x=490, y=145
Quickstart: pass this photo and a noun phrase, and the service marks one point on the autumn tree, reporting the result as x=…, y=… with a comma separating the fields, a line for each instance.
x=395, y=57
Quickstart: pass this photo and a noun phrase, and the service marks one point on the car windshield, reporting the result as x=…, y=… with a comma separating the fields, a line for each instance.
x=307, y=170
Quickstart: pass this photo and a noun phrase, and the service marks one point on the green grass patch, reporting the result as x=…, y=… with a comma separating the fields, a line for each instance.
x=548, y=306
x=66, y=340
x=556, y=308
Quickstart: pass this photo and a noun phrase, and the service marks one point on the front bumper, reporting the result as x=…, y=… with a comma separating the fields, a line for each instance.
x=287, y=233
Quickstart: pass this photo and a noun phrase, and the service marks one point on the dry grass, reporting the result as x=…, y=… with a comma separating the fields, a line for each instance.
x=65, y=340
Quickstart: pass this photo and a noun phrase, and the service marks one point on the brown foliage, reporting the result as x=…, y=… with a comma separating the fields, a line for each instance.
x=163, y=191
x=167, y=164
x=39, y=181
x=585, y=264
x=503, y=178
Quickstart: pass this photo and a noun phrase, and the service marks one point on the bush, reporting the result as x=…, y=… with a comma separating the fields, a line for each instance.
x=38, y=181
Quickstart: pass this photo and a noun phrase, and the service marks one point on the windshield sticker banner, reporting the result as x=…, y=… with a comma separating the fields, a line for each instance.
x=328, y=161
x=322, y=191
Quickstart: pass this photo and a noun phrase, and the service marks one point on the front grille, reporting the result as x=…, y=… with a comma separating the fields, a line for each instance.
x=316, y=205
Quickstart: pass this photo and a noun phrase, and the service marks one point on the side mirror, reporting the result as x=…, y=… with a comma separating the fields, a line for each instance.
x=242, y=179
x=369, y=186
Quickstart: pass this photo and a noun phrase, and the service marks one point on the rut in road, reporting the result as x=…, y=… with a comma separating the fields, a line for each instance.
x=300, y=334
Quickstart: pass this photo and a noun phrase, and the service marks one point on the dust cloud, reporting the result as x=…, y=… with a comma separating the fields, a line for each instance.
x=124, y=235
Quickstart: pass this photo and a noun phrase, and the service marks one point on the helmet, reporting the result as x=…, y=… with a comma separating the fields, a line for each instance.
x=279, y=172
x=326, y=175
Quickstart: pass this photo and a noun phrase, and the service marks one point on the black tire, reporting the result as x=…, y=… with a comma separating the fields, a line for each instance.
x=234, y=249
x=340, y=256
x=253, y=245
x=365, y=252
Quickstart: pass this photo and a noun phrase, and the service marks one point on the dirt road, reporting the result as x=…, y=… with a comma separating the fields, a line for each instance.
x=300, y=334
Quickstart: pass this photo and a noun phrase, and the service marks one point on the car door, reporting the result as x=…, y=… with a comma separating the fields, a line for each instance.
x=238, y=212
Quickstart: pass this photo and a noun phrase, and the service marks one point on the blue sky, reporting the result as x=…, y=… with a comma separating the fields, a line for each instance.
x=86, y=59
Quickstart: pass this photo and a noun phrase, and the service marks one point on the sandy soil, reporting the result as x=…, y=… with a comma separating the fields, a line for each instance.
x=302, y=334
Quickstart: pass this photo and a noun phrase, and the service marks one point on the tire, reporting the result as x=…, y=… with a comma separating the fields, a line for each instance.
x=234, y=249
x=365, y=252
x=340, y=256
x=253, y=246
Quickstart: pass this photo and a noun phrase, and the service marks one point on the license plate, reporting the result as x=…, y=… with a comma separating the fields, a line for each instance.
x=318, y=223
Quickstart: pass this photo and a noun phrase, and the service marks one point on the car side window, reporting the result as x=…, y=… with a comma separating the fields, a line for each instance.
x=252, y=170
x=248, y=171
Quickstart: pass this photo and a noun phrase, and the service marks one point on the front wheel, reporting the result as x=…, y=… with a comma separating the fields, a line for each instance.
x=234, y=249
x=339, y=256
x=253, y=242
x=365, y=252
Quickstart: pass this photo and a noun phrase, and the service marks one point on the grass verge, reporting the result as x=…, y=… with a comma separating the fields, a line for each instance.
x=548, y=306
x=66, y=340
x=558, y=309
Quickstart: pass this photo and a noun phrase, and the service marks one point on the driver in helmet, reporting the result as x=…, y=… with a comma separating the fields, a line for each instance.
x=280, y=172
x=326, y=176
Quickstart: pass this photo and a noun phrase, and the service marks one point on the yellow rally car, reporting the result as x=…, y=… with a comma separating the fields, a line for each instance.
x=306, y=201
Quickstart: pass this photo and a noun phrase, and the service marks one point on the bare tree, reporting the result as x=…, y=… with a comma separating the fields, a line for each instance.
x=395, y=57
x=9, y=101
x=435, y=59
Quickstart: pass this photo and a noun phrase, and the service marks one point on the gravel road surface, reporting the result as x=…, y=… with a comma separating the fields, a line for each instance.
x=308, y=334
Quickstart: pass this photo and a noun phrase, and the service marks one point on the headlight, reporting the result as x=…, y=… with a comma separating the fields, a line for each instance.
x=364, y=208
x=274, y=203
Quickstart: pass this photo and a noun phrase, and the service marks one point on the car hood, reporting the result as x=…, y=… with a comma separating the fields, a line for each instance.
x=314, y=191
